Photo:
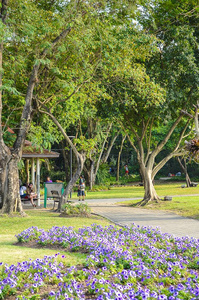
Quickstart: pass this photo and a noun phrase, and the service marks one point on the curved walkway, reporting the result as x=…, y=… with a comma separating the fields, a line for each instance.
x=122, y=215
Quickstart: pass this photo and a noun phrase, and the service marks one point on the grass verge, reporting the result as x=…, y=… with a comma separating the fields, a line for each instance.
x=184, y=206
x=163, y=189
x=12, y=254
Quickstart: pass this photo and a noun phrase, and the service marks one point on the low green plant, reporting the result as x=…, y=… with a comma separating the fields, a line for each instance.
x=98, y=188
x=124, y=180
x=80, y=209
x=102, y=174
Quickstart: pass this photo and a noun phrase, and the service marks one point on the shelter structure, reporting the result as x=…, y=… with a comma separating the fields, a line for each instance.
x=34, y=154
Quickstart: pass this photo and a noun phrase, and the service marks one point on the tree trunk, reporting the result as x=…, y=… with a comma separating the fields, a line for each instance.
x=87, y=174
x=92, y=175
x=12, y=200
x=80, y=165
x=184, y=169
x=4, y=151
x=95, y=162
x=108, y=151
x=66, y=160
x=118, y=160
x=9, y=176
x=150, y=194
x=4, y=157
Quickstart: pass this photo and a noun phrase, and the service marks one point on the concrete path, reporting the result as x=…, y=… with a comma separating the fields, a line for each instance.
x=167, y=222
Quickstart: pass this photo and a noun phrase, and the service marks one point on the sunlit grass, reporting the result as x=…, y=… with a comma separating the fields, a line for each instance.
x=42, y=218
x=187, y=206
x=184, y=206
x=11, y=254
x=138, y=191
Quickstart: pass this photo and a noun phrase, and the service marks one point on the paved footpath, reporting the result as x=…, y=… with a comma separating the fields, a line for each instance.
x=167, y=222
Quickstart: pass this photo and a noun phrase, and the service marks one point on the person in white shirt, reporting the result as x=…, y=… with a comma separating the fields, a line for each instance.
x=22, y=191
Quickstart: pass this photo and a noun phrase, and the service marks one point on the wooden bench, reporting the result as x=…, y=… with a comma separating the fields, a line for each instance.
x=56, y=197
x=27, y=200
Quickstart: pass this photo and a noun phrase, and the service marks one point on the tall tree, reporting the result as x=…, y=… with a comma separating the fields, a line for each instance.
x=104, y=134
x=141, y=104
x=92, y=53
x=31, y=37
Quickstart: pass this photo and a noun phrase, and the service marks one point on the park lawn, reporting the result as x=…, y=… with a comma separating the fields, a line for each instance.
x=182, y=205
x=185, y=201
x=11, y=254
x=165, y=189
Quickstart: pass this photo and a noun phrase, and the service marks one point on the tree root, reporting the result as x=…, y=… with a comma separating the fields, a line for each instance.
x=23, y=214
x=144, y=202
x=13, y=214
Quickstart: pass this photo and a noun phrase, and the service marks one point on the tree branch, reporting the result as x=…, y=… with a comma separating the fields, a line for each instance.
x=149, y=142
x=165, y=140
x=106, y=155
x=102, y=148
x=27, y=111
x=175, y=152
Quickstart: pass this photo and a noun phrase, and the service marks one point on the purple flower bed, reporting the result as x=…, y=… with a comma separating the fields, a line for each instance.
x=126, y=263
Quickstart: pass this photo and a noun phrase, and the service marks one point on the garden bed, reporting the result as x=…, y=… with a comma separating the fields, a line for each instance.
x=125, y=263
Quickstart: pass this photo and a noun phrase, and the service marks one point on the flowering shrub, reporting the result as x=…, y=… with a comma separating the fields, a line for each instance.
x=29, y=234
x=126, y=263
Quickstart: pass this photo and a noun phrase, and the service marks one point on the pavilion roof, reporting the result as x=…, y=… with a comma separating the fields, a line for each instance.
x=33, y=151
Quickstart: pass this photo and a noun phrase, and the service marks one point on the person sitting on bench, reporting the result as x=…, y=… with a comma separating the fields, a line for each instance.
x=22, y=191
x=28, y=193
x=31, y=193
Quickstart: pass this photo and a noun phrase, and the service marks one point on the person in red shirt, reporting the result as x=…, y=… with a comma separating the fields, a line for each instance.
x=126, y=170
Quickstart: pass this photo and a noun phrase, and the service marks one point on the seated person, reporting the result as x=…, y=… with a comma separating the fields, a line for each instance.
x=30, y=194
x=22, y=190
x=48, y=180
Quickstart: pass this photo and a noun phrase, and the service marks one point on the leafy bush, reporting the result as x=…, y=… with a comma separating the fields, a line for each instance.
x=97, y=188
x=124, y=179
x=81, y=209
x=102, y=174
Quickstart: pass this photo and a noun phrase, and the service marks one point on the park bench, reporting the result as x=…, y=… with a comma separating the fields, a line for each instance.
x=26, y=200
x=56, y=197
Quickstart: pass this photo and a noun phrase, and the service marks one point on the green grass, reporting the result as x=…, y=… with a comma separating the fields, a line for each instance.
x=185, y=201
x=165, y=189
x=11, y=254
x=185, y=206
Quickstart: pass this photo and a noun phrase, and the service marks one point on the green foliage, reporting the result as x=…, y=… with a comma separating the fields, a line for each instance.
x=176, y=64
x=80, y=209
x=124, y=180
x=44, y=136
x=98, y=188
x=102, y=174
x=9, y=138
